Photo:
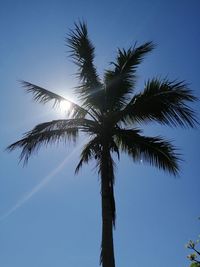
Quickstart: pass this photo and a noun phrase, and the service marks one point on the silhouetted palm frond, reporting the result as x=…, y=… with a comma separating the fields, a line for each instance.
x=82, y=53
x=120, y=82
x=36, y=138
x=90, y=151
x=164, y=102
x=154, y=150
x=82, y=124
x=44, y=96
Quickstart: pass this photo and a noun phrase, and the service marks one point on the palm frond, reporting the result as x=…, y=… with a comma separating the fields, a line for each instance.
x=44, y=96
x=120, y=82
x=164, y=102
x=43, y=135
x=82, y=53
x=90, y=151
x=82, y=124
x=154, y=150
x=114, y=148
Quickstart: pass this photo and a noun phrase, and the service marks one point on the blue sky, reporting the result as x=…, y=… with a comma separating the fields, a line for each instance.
x=48, y=216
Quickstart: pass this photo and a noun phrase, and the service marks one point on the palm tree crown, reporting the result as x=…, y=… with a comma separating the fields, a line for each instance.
x=111, y=113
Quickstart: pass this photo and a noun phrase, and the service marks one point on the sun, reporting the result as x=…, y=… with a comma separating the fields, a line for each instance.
x=65, y=106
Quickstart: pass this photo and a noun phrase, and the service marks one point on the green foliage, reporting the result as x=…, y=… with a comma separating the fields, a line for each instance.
x=194, y=257
x=195, y=264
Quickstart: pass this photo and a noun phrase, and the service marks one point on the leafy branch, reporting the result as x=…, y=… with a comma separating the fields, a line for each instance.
x=194, y=257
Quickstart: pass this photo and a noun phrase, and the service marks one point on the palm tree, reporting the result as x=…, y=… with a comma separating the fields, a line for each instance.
x=110, y=113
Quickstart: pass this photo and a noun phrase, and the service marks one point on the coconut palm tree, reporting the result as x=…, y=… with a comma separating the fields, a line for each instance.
x=111, y=113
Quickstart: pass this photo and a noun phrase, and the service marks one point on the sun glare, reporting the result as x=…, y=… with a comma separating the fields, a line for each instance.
x=65, y=106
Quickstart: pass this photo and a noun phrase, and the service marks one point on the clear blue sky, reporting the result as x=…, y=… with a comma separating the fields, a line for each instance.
x=48, y=216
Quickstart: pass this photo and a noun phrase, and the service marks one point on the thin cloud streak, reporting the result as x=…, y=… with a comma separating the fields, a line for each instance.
x=39, y=186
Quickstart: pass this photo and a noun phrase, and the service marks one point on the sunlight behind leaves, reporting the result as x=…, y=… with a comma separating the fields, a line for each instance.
x=65, y=106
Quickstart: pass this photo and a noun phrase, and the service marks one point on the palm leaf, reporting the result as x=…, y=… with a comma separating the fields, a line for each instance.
x=44, y=96
x=82, y=53
x=82, y=124
x=154, y=150
x=90, y=151
x=120, y=82
x=42, y=135
x=164, y=102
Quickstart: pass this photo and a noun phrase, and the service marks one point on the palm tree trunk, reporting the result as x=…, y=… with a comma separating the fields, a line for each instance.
x=108, y=209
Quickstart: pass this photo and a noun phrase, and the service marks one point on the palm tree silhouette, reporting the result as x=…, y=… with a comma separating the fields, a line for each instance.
x=110, y=113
